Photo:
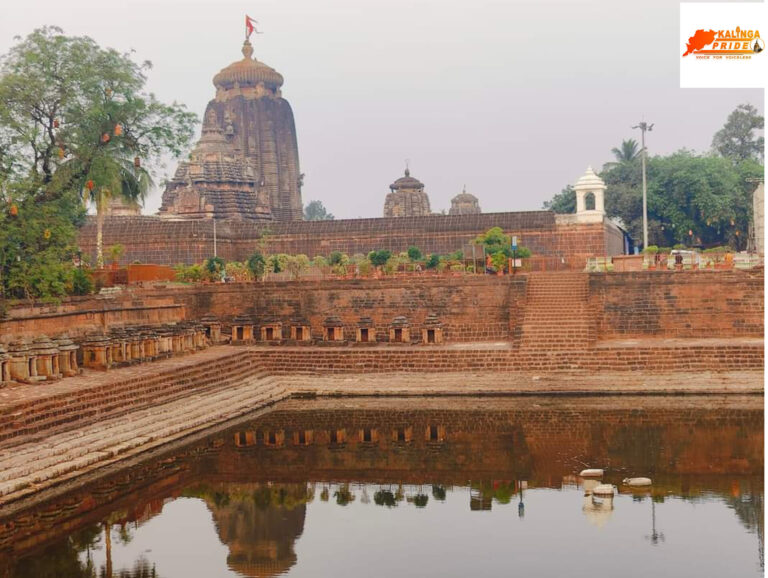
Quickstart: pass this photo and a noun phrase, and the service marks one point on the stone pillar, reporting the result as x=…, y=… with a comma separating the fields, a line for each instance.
x=365, y=332
x=432, y=332
x=67, y=356
x=399, y=330
x=333, y=329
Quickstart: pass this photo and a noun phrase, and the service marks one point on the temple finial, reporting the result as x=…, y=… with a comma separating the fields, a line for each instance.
x=247, y=50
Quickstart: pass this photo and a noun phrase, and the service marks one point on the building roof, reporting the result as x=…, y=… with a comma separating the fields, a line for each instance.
x=248, y=72
x=589, y=180
x=406, y=182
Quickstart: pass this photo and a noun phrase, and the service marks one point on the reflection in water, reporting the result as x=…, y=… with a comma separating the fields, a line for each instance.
x=470, y=473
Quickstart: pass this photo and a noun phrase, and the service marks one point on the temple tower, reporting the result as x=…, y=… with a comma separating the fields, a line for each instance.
x=407, y=198
x=590, y=197
x=464, y=204
x=246, y=164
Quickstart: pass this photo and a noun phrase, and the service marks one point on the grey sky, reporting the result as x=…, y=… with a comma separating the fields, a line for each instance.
x=513, y=98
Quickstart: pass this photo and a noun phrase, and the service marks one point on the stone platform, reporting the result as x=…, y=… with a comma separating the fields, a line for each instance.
x=51, y=434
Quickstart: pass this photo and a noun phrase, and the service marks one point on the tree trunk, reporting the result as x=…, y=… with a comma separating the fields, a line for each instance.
x=100, y=231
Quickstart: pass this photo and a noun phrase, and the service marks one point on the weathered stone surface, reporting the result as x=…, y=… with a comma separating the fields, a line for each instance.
x=246, y=165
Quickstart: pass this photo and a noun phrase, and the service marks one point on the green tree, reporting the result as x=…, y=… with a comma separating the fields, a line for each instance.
x=737, y=139
x=414, y=254
x=215, y=266
x=563, y=202
x=379, y=258
x=494, y=240
x=315, y=211
x=257, y=264
x=628, y=151
x=75, y=116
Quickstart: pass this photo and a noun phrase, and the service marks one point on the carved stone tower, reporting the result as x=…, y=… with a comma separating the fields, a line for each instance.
x=464, y=204
x=246, y=164
x=407, y=198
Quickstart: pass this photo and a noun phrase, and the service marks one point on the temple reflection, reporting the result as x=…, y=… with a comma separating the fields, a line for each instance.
x=258, y=478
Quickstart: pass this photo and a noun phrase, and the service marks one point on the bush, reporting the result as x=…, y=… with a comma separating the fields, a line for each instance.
x=455, y=256
x=414, y=254
x=276, y=263
x=379, y=258
x=320, y=261
x=190, y=274
x=522, y=253
x=240, y=272
x=364, y=267
x=336, y=258
x=679, y=247
x=651, y=250
x=257, y=265
x=499, y=261
x=296, y=265
x=432, y=261
x=82, y=284
x=215, y=266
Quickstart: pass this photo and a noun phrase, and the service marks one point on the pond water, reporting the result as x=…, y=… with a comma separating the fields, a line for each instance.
x=422, y=487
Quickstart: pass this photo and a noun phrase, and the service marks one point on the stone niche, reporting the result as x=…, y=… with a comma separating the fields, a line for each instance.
x=242, y=330
x=432, y=332
x=97, y=352
x=301, y=332
x=272, y=331
x=67, y=356
x=333, y=329
x=365, y=332
x=212, y=327
x=46, y=357
x=399, y=330
x=5, y=365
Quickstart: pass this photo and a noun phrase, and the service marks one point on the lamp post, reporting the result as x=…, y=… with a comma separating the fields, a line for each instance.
x=644, y=126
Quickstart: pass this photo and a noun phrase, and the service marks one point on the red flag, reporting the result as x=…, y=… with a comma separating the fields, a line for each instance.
x=249, y=26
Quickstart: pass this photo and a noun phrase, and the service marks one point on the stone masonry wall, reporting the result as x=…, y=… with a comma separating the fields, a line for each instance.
x=470, y=308
x=165, y=242
x=683, y=304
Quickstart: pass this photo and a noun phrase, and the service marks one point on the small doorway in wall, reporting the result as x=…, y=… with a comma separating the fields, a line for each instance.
x=430, y=335
x=299, y=333
x=329, y=333
x=364, y=335
x=269, y=333
x=240, y=332
x=398, y=335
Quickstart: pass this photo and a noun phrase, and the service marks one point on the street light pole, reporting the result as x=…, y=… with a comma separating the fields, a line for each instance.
x=644, y=126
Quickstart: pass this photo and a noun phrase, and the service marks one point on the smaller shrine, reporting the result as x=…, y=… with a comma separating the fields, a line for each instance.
x=407, y=198
x=464, y=204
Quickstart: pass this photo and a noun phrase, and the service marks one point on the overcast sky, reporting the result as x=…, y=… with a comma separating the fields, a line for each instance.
x=512, y=98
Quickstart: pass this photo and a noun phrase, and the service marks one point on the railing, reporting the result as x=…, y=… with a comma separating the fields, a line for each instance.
x=683, y=261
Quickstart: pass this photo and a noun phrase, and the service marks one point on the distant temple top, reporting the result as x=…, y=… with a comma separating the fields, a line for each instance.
x=407, y=198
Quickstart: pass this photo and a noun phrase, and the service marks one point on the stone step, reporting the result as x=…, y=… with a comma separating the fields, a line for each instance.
x=41, y=421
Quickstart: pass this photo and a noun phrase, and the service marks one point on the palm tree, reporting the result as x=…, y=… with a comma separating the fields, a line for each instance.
x=628, y=151
x=109, y=176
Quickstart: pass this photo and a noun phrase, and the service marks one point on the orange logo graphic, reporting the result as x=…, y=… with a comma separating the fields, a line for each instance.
x=732, y=44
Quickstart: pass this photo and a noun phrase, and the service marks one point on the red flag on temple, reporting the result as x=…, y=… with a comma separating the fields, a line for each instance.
x=249, y=26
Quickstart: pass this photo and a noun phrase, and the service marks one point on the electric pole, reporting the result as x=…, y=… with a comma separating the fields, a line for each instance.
x=644, y=126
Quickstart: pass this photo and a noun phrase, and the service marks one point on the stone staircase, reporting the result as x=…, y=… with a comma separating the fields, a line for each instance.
x=41, y=419
x=27, y=467
x=557, y=318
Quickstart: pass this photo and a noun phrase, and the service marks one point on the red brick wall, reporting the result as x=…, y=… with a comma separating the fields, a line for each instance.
x=471, y=308
x=681, y=304
x=78, y=316
x=154, y=240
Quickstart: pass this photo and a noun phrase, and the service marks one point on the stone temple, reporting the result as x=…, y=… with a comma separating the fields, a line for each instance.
x=407, y=198
x=464, y=204
x=246, y=164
